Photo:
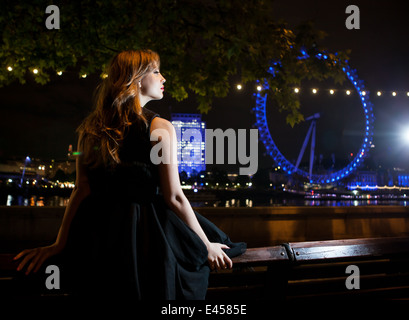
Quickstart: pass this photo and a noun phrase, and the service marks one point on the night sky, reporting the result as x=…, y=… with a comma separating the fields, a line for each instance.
x=40, y=121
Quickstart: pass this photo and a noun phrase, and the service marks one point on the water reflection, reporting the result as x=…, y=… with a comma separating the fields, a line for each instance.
x=62, y=201
x=35, y=201
x=234, y=203
x=300, y=202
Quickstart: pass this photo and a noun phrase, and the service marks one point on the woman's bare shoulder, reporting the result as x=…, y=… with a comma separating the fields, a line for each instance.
x=161, y=123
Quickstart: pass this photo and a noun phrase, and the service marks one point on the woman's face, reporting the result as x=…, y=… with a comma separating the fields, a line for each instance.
x=152, y=86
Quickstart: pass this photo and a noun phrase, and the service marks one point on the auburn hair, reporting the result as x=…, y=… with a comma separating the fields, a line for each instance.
x=116, y=107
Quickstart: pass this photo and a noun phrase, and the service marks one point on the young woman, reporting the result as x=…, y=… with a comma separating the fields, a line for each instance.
x=128, y=227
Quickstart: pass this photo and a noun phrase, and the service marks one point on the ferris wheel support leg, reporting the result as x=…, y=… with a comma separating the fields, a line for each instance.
x=312, y=148
x=304, y=146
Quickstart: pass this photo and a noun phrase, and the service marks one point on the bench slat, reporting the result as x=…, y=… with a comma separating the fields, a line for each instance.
x=352, y=248
x=261, y=255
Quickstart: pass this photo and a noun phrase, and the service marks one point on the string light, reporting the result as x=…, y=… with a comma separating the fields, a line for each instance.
x=349, y=92
x=239, y=86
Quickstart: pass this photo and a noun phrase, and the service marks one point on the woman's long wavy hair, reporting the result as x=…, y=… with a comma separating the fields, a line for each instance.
x=116, y=107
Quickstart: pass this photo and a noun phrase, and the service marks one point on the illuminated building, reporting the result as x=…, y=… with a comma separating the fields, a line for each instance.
x=190, y=132
x=363, y=179
x=403, y=180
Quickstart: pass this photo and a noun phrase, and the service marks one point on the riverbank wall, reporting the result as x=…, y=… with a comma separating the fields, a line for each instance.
x=23, y=227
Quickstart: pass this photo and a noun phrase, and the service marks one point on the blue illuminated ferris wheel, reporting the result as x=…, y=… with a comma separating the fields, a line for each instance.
x=293, y=168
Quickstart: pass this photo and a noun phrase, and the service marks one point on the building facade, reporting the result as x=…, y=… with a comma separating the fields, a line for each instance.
x=190, y=131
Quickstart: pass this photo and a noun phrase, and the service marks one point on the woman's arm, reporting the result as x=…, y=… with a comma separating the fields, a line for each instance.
x=162, y=131
x=79, y=193
x=36, y=257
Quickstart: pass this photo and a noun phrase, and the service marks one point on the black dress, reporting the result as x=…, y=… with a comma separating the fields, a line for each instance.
x=124, y=239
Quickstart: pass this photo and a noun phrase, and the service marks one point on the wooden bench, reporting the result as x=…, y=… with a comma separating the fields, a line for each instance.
x=316, y=270
x=291, y=271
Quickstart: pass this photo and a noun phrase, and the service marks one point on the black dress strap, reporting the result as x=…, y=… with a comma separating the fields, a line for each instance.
x=149, y=116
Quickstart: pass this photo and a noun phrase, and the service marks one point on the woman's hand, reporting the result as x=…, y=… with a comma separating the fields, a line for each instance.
x=34, y=258
x=217, y=258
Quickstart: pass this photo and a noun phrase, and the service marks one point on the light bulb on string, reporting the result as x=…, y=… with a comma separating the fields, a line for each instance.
x=348, y=92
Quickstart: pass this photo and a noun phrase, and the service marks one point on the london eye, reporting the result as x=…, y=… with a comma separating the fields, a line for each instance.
x=310, y=174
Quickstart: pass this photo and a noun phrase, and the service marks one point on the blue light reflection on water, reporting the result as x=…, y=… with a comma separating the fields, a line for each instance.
x=34, y=201
x=302, y=202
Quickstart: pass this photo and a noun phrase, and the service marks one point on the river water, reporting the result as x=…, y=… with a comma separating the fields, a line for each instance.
x=61, y=201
